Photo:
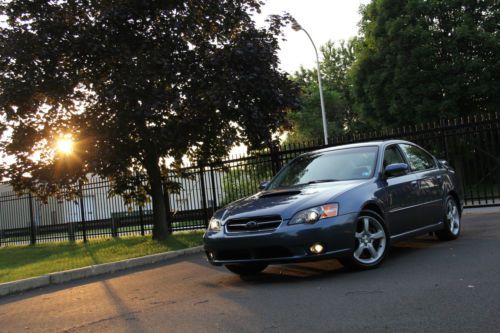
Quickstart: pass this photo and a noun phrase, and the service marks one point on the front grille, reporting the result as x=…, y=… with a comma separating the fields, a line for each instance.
x=252, y=224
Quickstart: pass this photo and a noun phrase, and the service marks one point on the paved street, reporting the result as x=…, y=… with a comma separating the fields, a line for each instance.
x=424, y=285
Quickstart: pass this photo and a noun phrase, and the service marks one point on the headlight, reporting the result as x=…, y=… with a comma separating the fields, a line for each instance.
x=313, y=215
x=214, y=225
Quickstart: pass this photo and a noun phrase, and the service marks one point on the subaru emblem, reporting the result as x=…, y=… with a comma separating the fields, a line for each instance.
x=251, y=225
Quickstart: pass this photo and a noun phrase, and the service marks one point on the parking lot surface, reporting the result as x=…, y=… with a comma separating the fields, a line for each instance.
x=424, y=285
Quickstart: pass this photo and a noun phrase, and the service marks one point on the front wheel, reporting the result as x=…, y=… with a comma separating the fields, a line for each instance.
x=370, y=242
x=246, y=269
x=451, y=228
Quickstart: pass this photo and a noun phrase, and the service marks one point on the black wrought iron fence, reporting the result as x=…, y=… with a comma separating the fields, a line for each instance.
x=470, y=145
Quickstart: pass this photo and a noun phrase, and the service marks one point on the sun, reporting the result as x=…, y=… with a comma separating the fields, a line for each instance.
x=65, y=145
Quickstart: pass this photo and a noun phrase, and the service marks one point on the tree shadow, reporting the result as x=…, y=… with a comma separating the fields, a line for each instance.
x=329, y=269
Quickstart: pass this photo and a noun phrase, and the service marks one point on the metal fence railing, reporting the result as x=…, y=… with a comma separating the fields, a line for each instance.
x=470, y=145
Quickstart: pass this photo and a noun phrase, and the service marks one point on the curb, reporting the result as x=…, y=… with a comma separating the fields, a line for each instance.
x=481, y=210
x=14, y=287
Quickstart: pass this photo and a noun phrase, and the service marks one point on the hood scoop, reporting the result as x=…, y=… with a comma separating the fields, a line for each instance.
x=279, y=193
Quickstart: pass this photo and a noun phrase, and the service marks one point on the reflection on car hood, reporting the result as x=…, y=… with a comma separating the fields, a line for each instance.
x=287, y=201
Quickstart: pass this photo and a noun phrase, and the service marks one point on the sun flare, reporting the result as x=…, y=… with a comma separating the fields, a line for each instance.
x=65, y=145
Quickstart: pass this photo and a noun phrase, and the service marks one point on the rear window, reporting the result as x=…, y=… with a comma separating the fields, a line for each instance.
x=419, y=159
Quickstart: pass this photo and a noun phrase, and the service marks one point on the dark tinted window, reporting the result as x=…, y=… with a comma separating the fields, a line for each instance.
x=342, y=164
x=392, y=155
x=418, y=159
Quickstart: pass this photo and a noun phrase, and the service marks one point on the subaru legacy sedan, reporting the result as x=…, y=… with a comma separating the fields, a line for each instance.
x=347, y=202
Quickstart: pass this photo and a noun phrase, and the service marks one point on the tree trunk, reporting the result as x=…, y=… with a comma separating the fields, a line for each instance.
x=160, y=228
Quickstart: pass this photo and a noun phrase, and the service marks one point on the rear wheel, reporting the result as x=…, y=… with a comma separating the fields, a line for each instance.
x=246, y=269
x=370, y=242
x=451, y=218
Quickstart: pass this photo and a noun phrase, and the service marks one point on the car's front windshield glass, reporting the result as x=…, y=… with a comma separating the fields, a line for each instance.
x=335, y=165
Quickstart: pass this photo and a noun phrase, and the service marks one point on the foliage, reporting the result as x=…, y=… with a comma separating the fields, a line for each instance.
x=238, y=183
x=134, y=83
x=21, y=262
x=427, y=60
x=337, y=91
x=243, y=180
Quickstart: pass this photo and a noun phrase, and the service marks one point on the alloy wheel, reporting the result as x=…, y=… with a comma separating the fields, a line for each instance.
x=453, y=217
x=371, y=240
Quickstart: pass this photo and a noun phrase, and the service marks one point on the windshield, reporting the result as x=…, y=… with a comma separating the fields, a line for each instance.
x=336, y=165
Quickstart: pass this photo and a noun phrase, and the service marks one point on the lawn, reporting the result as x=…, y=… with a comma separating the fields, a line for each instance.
x=20, y=262
x=95, y=231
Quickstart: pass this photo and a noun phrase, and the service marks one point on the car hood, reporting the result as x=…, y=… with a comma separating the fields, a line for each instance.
x=287, y=201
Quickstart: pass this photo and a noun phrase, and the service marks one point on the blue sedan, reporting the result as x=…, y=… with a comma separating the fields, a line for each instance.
x=347, y=202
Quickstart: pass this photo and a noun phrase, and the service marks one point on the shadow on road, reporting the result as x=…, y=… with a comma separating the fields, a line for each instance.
x=274, y=274
x=328, y=269
x=123, y=315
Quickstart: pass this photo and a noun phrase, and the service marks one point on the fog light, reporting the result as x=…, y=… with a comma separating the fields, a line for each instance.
x=210, y=255
x=316, y=248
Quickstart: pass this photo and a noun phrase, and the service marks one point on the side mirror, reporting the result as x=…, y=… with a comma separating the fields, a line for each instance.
x=263, y=185
x=396, y=169
x=444, y=164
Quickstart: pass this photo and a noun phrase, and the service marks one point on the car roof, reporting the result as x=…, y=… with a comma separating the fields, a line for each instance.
x=380, y=143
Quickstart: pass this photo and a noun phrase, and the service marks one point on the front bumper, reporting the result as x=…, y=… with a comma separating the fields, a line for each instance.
x=288, y=243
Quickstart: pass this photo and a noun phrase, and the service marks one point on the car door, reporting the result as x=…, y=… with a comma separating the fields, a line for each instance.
x=429, y=184
x=401, y=195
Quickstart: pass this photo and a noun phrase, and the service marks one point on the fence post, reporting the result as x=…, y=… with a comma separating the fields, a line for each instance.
x=82, y=212
x=141, y=213
x=71, y=229
x=445, y=138
x=214, y=192
x=141, y=219
x=114, y=225
x=166, y=200
x=32, y=221
x=275, y=158
x=203, y=194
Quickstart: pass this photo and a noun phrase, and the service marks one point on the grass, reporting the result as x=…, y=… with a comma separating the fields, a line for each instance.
x=100, y=232
x=21, y=262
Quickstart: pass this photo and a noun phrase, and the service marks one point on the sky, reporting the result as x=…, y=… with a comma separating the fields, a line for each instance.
x=323, y=19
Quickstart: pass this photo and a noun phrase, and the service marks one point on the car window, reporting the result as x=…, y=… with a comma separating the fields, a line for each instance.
x=419, y=160
x=336, y=165
x=392, y=155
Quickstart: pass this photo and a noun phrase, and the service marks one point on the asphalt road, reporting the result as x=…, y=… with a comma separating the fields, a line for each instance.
x=424, y=285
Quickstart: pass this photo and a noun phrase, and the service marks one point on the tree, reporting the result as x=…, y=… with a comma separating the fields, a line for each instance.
x=243, y=179
x=427, y=60
x=337, y=90
x=133, y=83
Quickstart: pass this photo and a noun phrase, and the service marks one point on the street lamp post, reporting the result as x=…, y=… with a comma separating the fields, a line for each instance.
x=297, y=27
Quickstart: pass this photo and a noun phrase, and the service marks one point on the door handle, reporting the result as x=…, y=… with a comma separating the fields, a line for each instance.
x=439, y=179
x=414, y=184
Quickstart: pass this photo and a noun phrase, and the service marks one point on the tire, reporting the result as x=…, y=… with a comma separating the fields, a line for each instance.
x=451, y=229
x=371, y=242
x=246, y=269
